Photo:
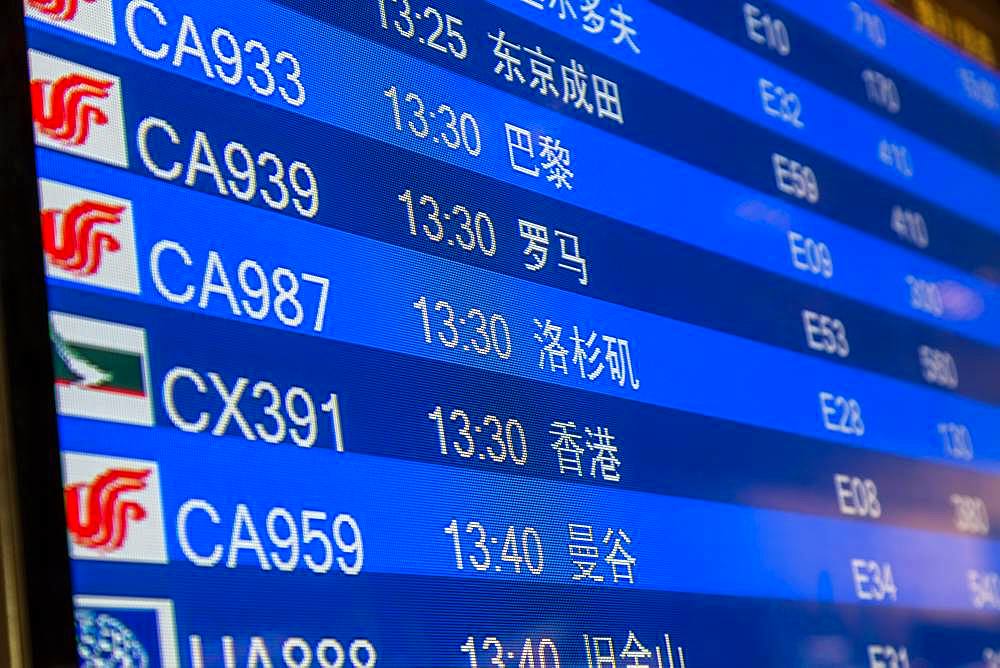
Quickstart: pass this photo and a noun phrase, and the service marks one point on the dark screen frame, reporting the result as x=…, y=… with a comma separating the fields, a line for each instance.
x=44, y=625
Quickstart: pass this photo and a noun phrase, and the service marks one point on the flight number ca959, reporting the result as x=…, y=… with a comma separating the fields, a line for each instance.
x=229, y=169
x=311, y=540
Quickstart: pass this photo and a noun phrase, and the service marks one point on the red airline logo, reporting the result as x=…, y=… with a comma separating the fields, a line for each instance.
x=60, y=10
x=73, y=245
x=102, y=519
x=64, y=109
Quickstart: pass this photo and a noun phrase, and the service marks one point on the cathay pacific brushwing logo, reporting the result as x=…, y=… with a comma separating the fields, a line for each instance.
x=101, y=370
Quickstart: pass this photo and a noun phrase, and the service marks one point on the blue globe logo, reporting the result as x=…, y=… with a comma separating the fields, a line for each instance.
x=105, y=642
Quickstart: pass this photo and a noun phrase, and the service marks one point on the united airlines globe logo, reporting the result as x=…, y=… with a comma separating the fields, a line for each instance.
x=105, y=642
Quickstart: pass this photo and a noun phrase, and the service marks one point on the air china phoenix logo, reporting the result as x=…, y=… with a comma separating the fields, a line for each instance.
x=101, y=370
x=59, y=10
x=76, y=246
x=77, y=109
x=113, y=510
x=88, y=237
x=92, y=18
x=66, y=108
x=98, y=516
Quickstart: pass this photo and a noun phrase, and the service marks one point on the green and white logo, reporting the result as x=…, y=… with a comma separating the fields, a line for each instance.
x=101, y=370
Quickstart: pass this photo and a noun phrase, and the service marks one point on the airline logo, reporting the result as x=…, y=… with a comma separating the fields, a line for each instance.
x=101, y=370
x=113, y=509
x=88, y=237
x=77, y=109
x=126, y=632
x=93, y=18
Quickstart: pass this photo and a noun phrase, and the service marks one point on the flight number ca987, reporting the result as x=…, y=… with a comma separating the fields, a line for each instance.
x=275, y=294
x=230, y=169
x=309, y=540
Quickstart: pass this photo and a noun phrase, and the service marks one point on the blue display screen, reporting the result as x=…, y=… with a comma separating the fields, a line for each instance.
x=522, y=333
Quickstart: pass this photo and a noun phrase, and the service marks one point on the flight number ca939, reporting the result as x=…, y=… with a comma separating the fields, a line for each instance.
x=229, y=169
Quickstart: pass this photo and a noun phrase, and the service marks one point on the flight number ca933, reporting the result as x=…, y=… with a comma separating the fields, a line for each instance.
x=220, y=55
x=229, y=169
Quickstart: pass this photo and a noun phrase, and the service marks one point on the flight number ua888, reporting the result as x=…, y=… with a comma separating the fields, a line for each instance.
x=241, y=173
x=272, y=652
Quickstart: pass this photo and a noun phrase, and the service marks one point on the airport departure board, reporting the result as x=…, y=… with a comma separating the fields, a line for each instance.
x=521, y=333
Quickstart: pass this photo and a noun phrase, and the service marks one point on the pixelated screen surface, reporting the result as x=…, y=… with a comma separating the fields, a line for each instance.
x=524, y=333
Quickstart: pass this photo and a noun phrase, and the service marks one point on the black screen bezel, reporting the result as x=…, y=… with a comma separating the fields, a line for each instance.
x=44, y=626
